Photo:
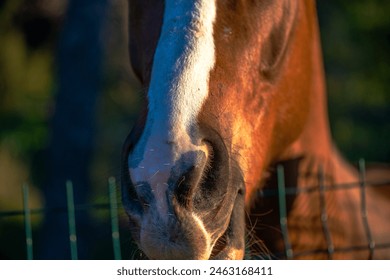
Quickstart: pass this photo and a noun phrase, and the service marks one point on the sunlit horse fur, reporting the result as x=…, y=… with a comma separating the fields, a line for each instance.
x=232, y=88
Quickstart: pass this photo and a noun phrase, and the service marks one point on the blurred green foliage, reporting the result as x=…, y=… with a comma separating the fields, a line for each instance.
x=356, y=44
x=26, y=86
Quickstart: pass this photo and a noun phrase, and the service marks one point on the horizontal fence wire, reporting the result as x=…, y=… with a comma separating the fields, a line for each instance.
x=38, y=211
x=282, y=192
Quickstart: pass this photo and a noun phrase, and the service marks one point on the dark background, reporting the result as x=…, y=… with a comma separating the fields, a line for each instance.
x=68, y=100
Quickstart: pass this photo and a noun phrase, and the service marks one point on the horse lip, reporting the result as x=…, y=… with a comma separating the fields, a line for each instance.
x=230, y=237
x=228, y=251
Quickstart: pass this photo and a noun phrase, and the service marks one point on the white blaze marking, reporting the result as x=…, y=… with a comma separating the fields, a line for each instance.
x=182, y=63
x=184, y=57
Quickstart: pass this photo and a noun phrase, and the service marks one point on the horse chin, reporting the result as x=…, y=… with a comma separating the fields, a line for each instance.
x=230, y=254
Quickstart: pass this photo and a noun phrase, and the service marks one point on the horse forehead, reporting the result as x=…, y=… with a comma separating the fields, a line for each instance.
x=183, y=59
x=179, y=83
x=186, y=53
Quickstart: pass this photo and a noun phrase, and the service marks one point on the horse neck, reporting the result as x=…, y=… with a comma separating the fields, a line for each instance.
x=315, y=143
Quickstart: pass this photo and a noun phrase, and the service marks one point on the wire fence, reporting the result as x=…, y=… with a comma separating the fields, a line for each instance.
x=330, y=250
x=71, y=209
x=282, y=192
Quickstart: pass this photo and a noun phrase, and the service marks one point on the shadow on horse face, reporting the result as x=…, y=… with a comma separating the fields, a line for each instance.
x=228, y=86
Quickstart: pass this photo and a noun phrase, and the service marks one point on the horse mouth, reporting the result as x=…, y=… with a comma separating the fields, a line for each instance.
x=177, y=242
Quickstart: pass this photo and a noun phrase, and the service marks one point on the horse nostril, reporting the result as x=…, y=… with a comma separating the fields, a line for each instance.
x=186, y=182
x=185, y=187
x=203, y=184
x=213, y=185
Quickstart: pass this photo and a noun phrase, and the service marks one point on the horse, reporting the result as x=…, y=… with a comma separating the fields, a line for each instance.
x=234, y=88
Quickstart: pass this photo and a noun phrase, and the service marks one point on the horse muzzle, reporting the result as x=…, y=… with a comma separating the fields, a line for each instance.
x=185, y=206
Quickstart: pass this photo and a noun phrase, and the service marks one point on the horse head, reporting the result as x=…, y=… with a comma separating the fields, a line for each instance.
x=230, y=87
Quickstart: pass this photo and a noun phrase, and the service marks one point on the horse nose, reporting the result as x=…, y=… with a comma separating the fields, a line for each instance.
x=166, y=174
x=176, y=193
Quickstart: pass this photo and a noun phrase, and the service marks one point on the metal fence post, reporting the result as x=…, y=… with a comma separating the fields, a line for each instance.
x=324, y=214
x=27, y=222
x=363, y=207
x=71, y=220
x=114, y=218
x=283, y=212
